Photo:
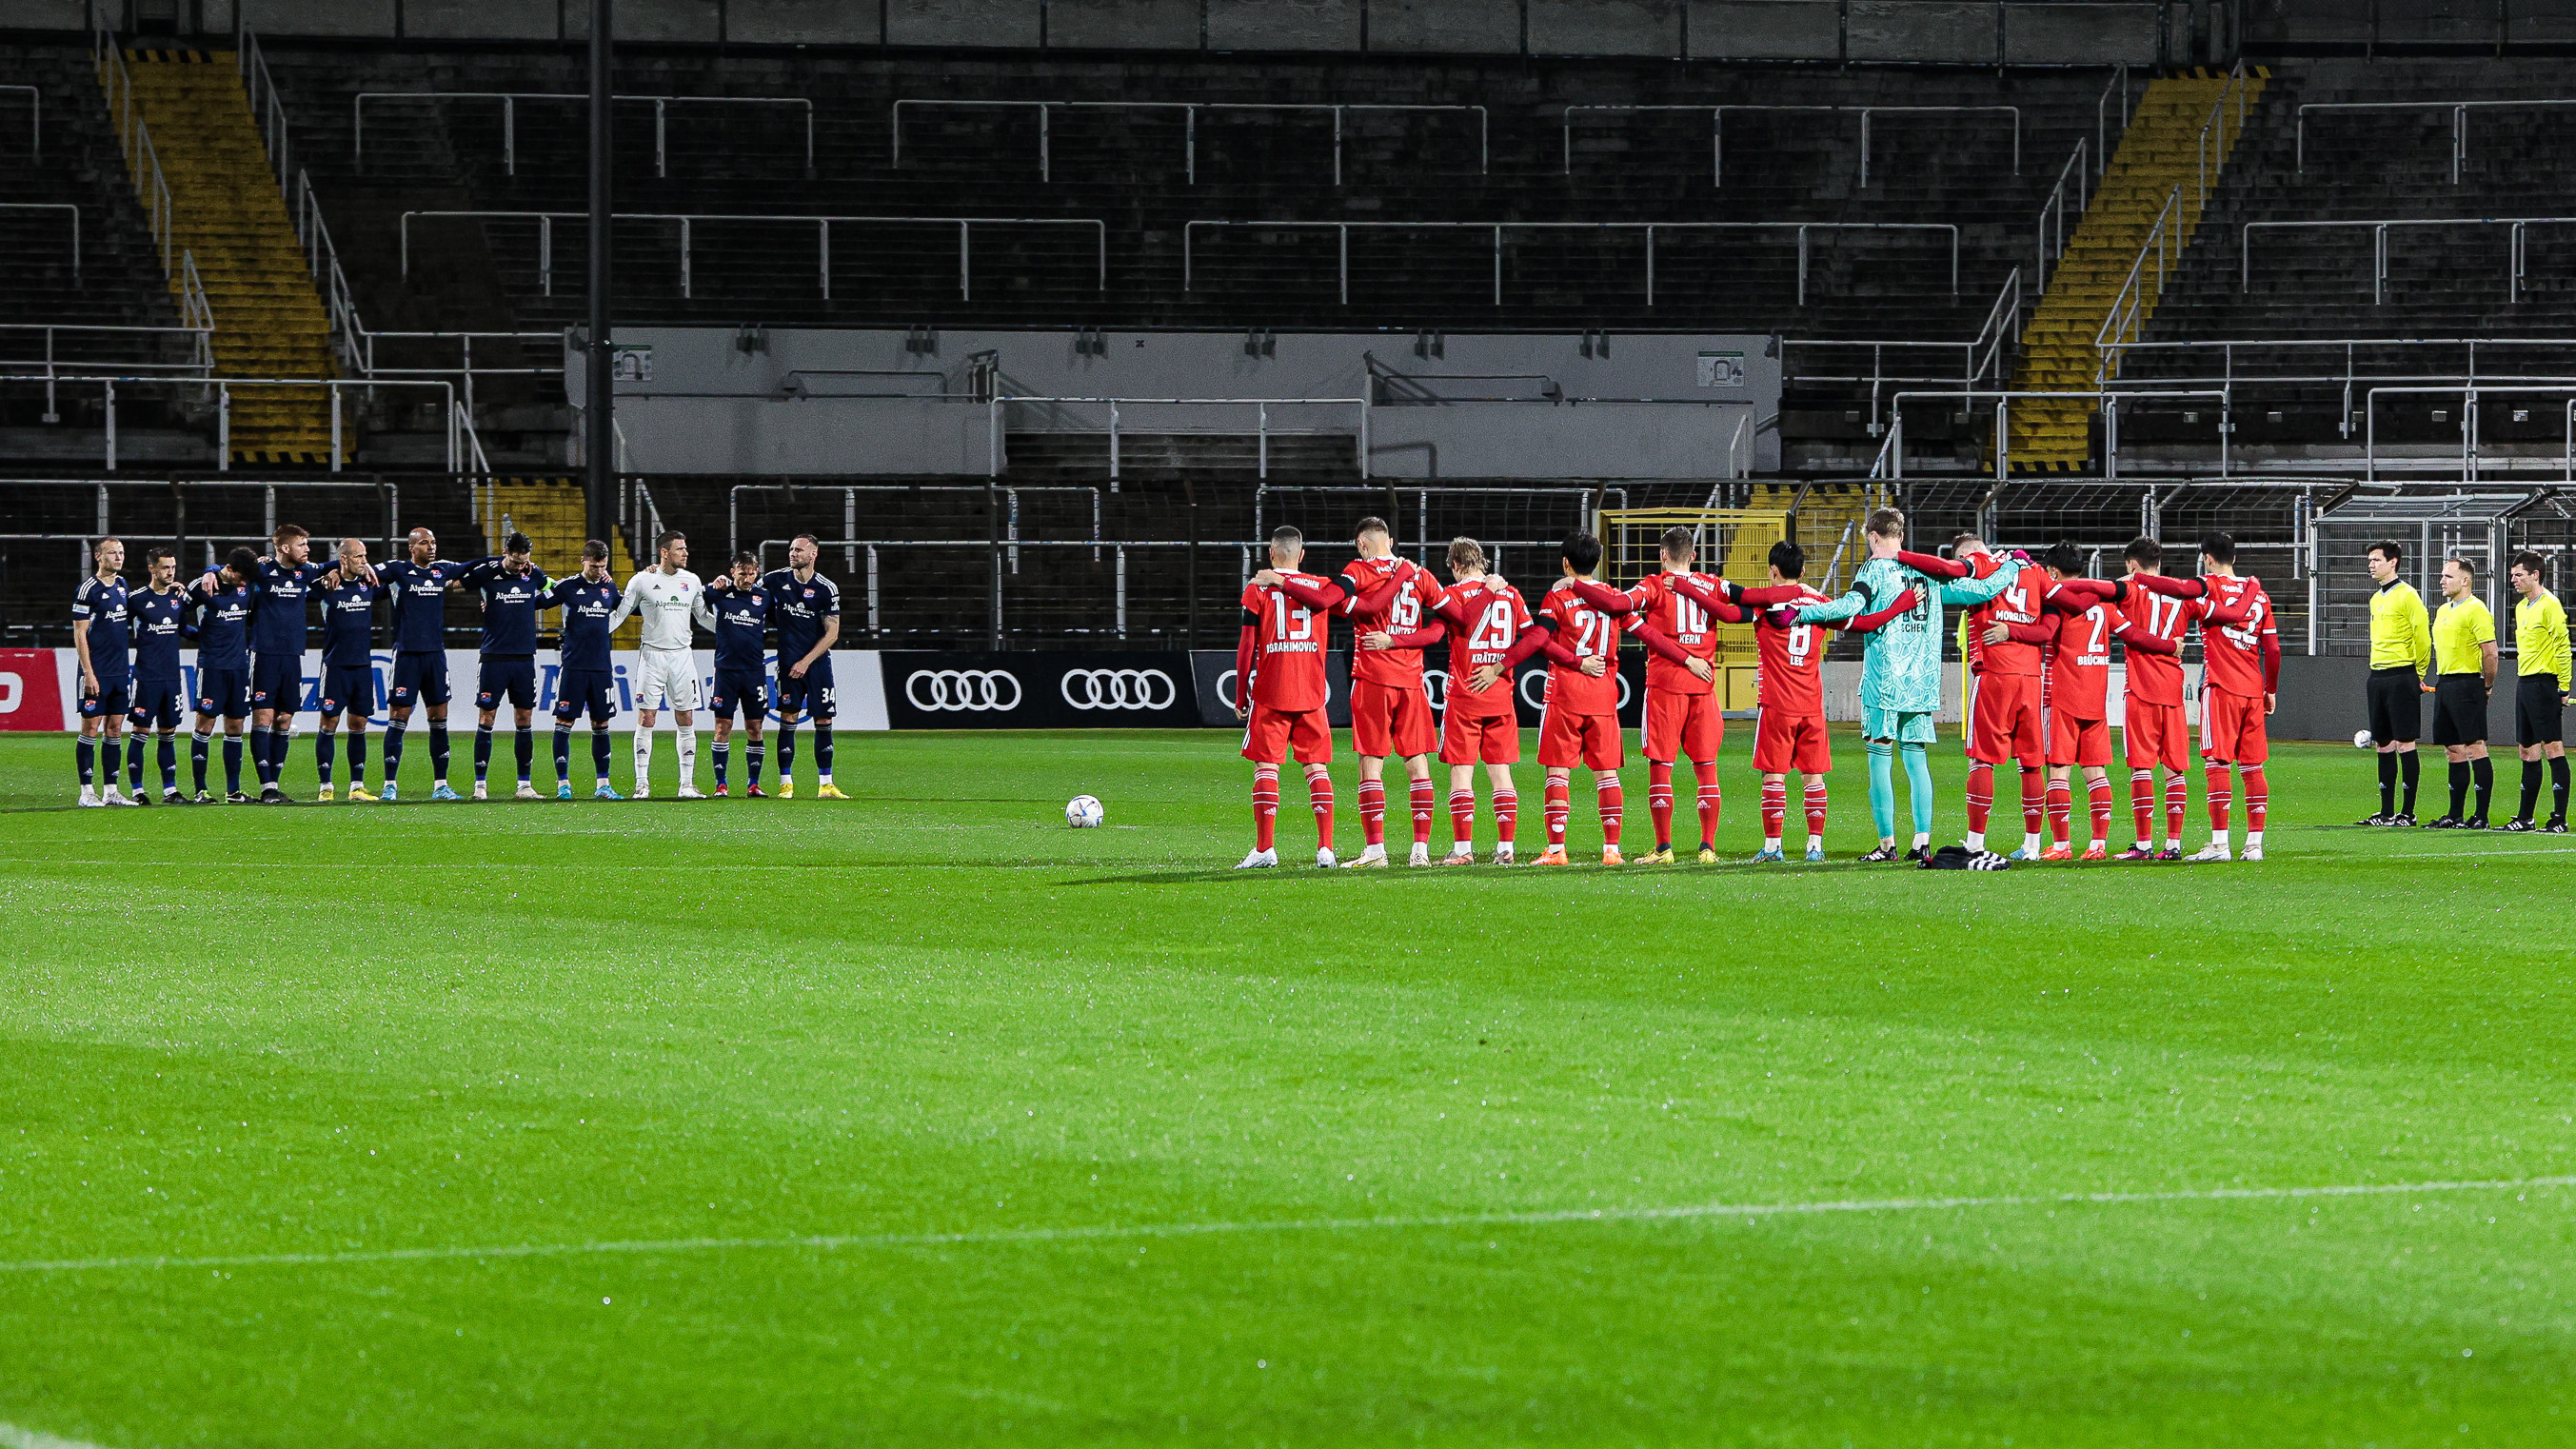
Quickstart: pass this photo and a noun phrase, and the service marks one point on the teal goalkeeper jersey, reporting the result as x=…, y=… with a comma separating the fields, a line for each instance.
x=1902, y=669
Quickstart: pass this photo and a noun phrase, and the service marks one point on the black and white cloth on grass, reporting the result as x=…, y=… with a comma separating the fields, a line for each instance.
x=1960, y=857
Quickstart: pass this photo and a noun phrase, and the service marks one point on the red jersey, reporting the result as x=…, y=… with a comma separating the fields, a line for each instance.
x=1791, y=677
x=2079, y=660
x=2019, y=604
x=2157, y=678
x=1415, y=597
x=1485, y=619
x=2232, y=657
x=1286, y=641
x=1680, y=618
x=1589, y=633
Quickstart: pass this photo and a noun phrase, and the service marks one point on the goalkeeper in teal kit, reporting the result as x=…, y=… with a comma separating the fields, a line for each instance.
x=1900, y=680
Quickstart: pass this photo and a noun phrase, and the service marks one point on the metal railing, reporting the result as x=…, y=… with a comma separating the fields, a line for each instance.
x=463, y=444
x=1717, y=127
x=1891, y=454
x=1497, y=228
x=2102, y=117
x=2130, y=306
x=2516, y=267
x=1261, y=406
x=2351, y=376
x=823, y=237
x=1980, y=358
x=2051, y=227
x=35, y=118
x=1006, y=513
x=510, y=117
x=1190, y=114
x=135, y=140
x=55, y=206
x=2471, y=454
x=2459, y=120
x=200, y=364
x=267, y=103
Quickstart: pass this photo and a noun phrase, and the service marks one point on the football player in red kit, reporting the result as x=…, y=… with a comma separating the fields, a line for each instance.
x=1581, y=723
x=1280, y=691
x=1479, y=726
x=1789, y=732
x=2079, y=682
x=2004, y=639
x=2240, y=684
x=2154, y=733
x=1392, y=610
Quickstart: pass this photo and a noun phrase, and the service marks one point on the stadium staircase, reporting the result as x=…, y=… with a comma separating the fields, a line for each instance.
x=269, y=321
x=2157, y=162
x=554, y=514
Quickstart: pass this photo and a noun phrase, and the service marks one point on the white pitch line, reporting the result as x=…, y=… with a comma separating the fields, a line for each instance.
x=1541, y=1218
x=13, y=1437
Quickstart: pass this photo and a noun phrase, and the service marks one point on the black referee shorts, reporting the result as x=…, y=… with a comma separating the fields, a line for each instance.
x=2396, y=706
x=2536, y=711
x=2460, y=710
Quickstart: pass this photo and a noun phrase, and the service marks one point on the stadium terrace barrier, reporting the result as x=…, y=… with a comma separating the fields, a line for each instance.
x=2516, y=269
x=2459, y=120
x=510, y=118
x=1190, y=112
x=1717, y=127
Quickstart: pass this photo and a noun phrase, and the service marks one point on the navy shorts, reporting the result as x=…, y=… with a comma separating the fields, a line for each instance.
x=223, y=691
x=419, y=678
x=348, y=686
x=156, y=705
x=513, y=679
x=741, y=689
x=577, y=690
x=807, y=698
x=113, y=697
x=277, y=681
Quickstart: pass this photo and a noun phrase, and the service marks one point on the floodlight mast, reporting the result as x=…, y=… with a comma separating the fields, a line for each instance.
x=599, y=423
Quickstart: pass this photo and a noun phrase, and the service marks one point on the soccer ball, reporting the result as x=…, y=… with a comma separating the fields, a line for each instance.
x=1082, y=812
x=2361, y=739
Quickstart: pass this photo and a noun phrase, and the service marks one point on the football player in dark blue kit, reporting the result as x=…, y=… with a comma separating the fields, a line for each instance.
x=513, y=589
x=418, y=587
x=102, y=639
x=736, y=610
x=348, y=594
x=587, y=601
x=160, y=620
x=281, y=595
x=221, y=602
x=805, y=609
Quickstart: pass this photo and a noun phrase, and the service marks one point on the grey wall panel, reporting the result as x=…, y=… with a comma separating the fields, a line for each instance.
x=1765, y=29
x=962, y=22
x=667, y=20
x=1596, y=440
x=1124, y=24
x=43, y=15
x=2545, y=21
x=2457, y=22
x=1283, y=24
x=1445, y=27
x=876, y=435
x=2080, y=34
x=2340, y=22
x=1605, y=27
x=322, y=17
x=1959, y=31
x=802, y=22
x=475, y=19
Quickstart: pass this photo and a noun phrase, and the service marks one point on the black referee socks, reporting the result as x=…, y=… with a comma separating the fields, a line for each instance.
x=2410, y=769
x=2459, y=787
x=2530, y=789
x=2388, y=783
x=2557, y=786
x=2483, y=769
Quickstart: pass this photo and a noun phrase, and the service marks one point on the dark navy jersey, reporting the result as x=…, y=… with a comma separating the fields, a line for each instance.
x=160, y=622
x=419, y=592
x=741, y=624
x=510, y=602
x=797, y=611
x=102, y=602
x=349, y=623
x=279, y=595
x=223, y=623
x=586, y=609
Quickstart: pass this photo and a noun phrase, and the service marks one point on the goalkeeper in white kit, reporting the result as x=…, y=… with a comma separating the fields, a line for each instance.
x=664, y=597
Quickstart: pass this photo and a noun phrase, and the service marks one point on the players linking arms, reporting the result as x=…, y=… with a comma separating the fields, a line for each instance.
x=1280, y=692
x=2240, y=684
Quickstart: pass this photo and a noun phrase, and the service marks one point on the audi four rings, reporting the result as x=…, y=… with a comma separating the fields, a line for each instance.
x=963, y=689
x=1119, y=689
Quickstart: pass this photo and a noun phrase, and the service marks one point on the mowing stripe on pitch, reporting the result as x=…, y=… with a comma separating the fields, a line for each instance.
x=13, y=1437
x=1539, y=1218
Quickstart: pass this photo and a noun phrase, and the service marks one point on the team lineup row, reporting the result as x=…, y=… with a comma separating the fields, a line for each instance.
x=249, y=617
x=2037, y=639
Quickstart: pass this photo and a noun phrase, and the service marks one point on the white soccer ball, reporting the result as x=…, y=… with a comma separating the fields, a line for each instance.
x=2361, y=739
x=1082, y=812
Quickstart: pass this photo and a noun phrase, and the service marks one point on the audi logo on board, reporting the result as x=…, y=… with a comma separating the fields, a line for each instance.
x=963, y=689
x=1119, y=689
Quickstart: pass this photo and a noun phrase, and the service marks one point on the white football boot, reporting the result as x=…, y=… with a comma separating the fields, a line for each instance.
x=1259, y=860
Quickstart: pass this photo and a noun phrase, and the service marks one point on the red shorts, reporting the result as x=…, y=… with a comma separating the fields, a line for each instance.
x=1591, y=740
x=2156, y=735
x=1488, y=739
x=1269, y=734
x=2005, y=725
x=1785, y=742
x=1387, y=720
x=2231, y=728
x=2073, y=741
x=1679, y=724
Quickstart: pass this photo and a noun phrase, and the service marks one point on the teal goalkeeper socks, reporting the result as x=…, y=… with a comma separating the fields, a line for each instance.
x=1918, y=783
x=1882, y=787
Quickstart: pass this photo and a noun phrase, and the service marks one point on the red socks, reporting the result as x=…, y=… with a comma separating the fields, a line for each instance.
x=2177, y=801
x=1319, y=794
x=2100, y=793
x=1605, y=789
x=2034, y=800
x=1981, y=796
x=1560, y=804
x=1659, y=801
x=1426, y=803
x=1710, y=801
x=1815, y=808
x=2061, y=809
x=1507, y=814
x=1775, y=809
x=2258, y=797
x=1462, y=818
x=1265, y=805
x=1373, y=811
x=2142, y=803
x=2220, y=796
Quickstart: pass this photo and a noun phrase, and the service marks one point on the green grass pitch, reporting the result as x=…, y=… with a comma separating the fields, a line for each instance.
x=922, y=1120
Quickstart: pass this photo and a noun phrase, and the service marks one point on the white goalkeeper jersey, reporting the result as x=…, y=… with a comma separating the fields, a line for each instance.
x=664, y=602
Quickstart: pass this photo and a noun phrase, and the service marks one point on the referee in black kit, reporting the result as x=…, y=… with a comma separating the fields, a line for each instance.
x=2464, y=669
